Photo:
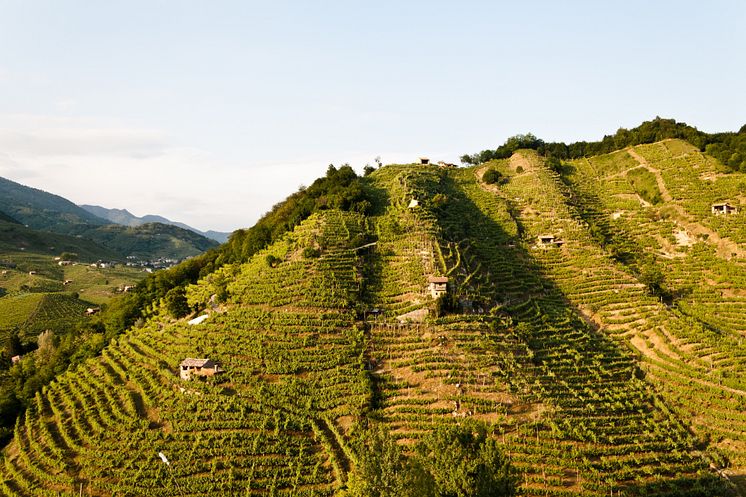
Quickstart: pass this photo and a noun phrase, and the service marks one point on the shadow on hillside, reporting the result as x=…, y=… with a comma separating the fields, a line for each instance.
x=553, y=324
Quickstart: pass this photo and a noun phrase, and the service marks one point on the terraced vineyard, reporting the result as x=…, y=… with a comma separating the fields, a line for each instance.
x=588, y=382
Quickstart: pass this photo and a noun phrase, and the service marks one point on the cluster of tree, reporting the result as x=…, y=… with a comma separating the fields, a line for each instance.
x=54, y=353
x=729, y=148
x=451, y=461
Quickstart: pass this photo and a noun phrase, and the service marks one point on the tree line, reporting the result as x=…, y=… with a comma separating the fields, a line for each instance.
x=728, y=147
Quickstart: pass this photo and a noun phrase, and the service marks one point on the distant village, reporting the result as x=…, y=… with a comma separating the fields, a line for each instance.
x=132, y=261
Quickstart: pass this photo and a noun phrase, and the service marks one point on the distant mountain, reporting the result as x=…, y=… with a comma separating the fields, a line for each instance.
x=126, y=218
x=46, y=212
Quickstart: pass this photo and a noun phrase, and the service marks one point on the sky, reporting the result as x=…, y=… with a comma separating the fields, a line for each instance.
x=209, y=113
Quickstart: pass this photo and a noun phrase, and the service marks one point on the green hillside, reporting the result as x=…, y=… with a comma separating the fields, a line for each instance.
x=41, y=210
x=50, y=215
x=608, y=363
x=18, y=238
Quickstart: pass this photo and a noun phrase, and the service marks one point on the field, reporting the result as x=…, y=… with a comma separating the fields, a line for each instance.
x=34, y=296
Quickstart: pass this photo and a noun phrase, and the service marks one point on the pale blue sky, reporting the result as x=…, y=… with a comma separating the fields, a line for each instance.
x=210, y=112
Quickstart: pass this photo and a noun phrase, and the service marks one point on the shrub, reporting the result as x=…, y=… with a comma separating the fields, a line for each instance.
x=311, y=253
x=493, y=176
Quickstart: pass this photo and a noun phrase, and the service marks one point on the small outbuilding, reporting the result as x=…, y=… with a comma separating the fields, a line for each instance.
x=438, y=285
x=724, y=208
x=190, y=367
x=424, y=161
x=15, y=359
x=91, y=311
x=549, y=241
x=413, y=203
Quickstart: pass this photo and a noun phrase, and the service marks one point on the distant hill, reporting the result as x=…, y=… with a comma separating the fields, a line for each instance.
x=15, y=237
x=46, y=212
x=126, y=218
x=7, y=218
x=42, y=210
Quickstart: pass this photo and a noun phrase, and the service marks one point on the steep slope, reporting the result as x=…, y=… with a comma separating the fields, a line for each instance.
x=6, y=218
x=333, y=326
x=287, y=340
x=575, y=415
x=693, y=348
x=151, y=241
x=126, y=218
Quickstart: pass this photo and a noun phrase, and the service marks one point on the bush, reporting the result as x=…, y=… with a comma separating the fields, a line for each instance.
x=645, y=184
x=492, y=176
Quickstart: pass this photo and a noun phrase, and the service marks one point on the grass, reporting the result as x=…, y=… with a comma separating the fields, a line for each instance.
x=645, y=184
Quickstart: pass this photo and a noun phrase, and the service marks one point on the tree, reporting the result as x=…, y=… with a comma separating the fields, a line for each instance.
x=465, y=461
x=176, y=302
x=382, y=470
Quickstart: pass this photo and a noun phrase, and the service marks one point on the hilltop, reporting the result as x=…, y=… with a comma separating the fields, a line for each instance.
x=48, y=213
x=591, y=329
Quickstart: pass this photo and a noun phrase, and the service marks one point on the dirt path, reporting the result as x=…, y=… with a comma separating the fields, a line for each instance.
x=726, y=248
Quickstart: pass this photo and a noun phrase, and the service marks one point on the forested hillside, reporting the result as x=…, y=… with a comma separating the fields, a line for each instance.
x=589, y=342
x=52, y=215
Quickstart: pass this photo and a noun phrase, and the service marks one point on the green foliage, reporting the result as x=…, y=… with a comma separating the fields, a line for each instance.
x=382, y=469
x=652, y=277
x=311, y=253
x=645, y=184
x=44, y=211
x=69, y=256
x=450, y=461
x=493, y=176
x=440, y=200
x=339, y=189
x=272, y=260
x=504, y=151
x=446, y=304
x=465, y=462
x=176, y=302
